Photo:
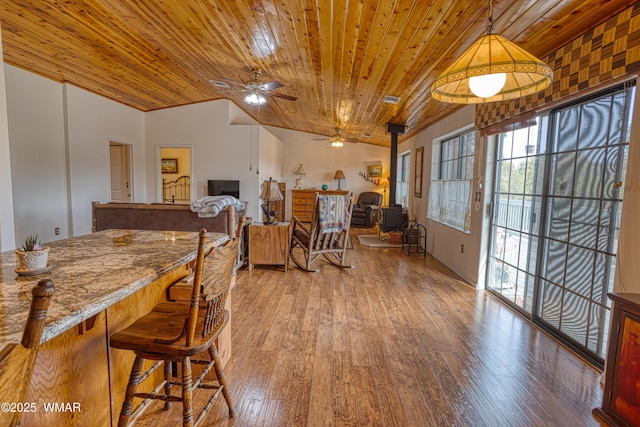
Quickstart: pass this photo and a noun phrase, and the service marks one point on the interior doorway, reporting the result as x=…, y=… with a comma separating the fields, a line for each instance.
x=175, y=175
x=120, y=171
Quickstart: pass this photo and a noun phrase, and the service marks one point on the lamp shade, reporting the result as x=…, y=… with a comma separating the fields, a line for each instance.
x=495, y=56
x=300, y=170
x=270, y=191
x=384, y=182
x=339, y=175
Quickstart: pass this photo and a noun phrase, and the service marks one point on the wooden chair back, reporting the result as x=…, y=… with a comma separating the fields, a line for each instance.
x=320, y=240
x=17, y=360
x=212, y=279
x=314, y=239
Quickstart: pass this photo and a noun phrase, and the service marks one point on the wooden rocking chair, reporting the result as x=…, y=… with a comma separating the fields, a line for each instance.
x=327, y=234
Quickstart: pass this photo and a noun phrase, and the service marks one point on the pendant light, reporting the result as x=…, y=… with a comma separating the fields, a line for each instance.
x=491, y=69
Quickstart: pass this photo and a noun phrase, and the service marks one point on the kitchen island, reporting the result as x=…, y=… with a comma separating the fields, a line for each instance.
x=103, y=282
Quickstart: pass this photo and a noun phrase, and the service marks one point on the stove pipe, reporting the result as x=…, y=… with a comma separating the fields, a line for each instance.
x=394, y=130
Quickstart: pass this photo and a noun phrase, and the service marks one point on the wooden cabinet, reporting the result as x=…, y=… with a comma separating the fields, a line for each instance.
x=79, y=366
x=621, y=399
x=269, y=244
x=302, y=202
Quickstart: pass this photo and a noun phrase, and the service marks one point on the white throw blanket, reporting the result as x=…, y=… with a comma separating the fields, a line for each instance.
x=210, y=206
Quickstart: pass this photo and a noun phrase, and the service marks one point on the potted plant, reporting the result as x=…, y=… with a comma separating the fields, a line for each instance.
x=32, y=256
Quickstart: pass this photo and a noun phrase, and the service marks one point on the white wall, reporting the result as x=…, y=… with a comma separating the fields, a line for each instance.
x=270, y=160
x=627, y=277
x=59, y=139
x=443, y=242
x=7, y=226
x=320, y=161
x=94, y=121
x=37, y=140
x=219, y=150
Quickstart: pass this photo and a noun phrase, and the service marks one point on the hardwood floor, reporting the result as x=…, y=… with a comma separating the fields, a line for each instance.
x=395, y=341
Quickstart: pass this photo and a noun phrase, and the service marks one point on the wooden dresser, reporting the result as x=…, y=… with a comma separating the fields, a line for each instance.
x=302, y=202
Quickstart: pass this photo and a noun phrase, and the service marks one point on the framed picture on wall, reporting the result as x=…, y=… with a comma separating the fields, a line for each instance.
x=169, y=165
x=417, y=173
x=374, y=171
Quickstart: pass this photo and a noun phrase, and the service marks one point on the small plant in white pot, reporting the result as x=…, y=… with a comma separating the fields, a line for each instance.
x=32, y=256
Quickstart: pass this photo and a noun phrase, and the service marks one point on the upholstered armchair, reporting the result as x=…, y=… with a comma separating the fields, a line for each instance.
x=365, y=211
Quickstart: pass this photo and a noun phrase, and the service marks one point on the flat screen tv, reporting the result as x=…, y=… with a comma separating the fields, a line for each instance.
x=220, y=187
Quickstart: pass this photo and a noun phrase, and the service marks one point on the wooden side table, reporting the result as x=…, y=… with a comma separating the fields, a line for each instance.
x=269, y=244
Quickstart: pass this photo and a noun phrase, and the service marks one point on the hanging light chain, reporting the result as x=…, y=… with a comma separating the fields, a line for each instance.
x=490, y=24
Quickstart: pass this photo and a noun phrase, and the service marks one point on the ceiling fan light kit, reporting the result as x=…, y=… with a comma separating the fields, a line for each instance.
x=491, y=69
x=255, y=98
x=256, y=90
x=337, y=140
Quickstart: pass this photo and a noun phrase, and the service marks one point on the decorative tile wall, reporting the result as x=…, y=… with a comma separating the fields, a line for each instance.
x=609, y=51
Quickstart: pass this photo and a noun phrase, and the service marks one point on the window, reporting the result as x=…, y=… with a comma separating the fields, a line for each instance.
x=402, y=183
x=451, y=181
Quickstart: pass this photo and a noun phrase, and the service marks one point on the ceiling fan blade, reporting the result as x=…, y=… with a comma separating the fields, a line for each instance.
x=281, y=95
x=232, y=91
x=271, y=85
x=233, y=82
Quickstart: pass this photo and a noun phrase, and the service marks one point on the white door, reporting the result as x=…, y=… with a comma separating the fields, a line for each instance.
x=120, y=176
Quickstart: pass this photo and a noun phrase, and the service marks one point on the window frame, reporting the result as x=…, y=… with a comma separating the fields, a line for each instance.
x=452, y=175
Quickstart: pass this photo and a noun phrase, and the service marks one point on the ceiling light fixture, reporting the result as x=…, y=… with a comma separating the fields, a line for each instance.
x=255, y=98
x=491, y=69
x=337, y=143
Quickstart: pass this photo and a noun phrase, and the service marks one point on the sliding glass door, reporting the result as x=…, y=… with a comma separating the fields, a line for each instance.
x=516, y=216
x=556, y=217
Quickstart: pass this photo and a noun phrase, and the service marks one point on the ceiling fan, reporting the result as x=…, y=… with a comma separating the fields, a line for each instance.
x=255, y=89
x=338, y=140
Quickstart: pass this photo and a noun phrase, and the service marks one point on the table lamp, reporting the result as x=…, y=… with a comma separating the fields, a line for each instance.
x=339, y=175
x=300, y=172
x=270, y=193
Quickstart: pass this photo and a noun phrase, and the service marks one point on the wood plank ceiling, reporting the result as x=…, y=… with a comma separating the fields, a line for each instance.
x=339, y=58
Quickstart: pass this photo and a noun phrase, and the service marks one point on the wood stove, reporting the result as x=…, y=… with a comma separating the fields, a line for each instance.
x=391, y=219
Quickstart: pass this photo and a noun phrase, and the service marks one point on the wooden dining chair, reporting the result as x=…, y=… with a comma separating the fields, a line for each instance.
x=327, y=234
x=179, y=331
x=17, y=360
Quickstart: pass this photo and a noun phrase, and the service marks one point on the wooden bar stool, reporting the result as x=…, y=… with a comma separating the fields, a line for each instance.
x=178, y=331
x=17, y=360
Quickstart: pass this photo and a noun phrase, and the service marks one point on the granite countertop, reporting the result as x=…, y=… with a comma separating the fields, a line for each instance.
x=92, y=272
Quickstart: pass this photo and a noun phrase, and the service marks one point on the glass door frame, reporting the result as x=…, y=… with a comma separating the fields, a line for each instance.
x=535, y=313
